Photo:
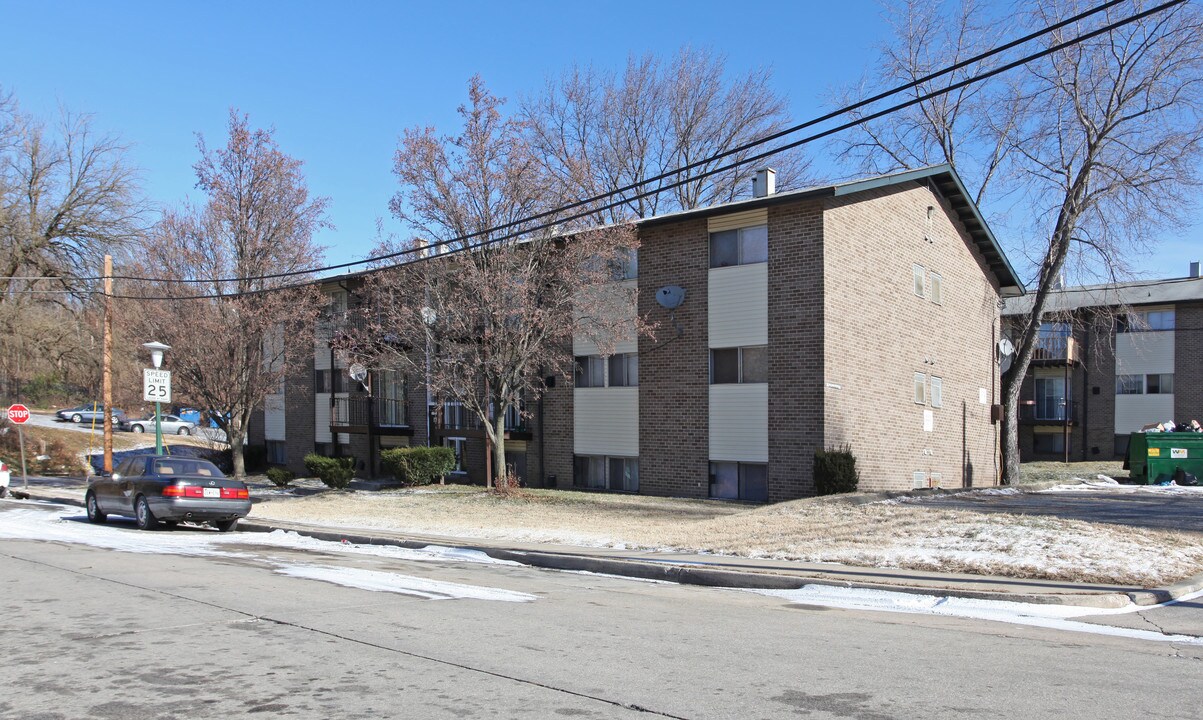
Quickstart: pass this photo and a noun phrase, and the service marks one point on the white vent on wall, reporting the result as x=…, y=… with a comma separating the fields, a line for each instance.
x=918, y=479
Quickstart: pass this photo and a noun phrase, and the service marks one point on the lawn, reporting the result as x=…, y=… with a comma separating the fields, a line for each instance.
x=879, y=533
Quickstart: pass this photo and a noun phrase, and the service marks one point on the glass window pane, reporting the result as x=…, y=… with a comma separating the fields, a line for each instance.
x=917, y=276
x=754, y=245
x=724, y=366
x=596, y=372
x=632, y=369
x=937, y=392
x=755, y=364
x=724, y=480
x=937, y=289
x=724, y=249
x=1129, y=385
x=754, y=482
x=920, y=388
x=618, y=372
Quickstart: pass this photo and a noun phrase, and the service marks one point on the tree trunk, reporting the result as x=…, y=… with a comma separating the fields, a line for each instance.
x=236, y=434
x=499, y=469
x=1010, y=427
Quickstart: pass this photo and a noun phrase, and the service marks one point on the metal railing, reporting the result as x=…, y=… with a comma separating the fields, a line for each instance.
x=1056, y=347
x=353, y=412
x=1049, y=410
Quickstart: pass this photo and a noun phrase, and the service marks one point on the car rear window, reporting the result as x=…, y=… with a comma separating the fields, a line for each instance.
x=179, y=466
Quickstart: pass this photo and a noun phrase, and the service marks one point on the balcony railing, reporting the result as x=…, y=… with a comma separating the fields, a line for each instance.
x=352, y=412
x=1056, y=348
x=453, y=416
x=1048, y=410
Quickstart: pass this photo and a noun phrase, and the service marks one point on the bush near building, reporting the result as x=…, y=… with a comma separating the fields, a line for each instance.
x=334, y=472
x=418, y=465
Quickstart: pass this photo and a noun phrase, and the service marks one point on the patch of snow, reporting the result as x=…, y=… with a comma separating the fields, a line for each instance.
x=1056, y=617
x=377, y=581
x=1106, y=484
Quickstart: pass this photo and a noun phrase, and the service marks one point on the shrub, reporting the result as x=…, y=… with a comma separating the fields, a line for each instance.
x=334, y=472
x=419, y=465
x=280, y=477
x=835, y=471
x=255, y=458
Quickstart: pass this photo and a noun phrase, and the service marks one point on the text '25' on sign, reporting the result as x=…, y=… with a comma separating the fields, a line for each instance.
x=156, y=385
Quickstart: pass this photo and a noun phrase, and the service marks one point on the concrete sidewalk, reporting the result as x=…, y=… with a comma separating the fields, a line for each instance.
x=711, y=570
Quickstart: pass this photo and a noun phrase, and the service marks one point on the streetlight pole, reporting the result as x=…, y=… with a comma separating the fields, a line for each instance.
x=156, y=357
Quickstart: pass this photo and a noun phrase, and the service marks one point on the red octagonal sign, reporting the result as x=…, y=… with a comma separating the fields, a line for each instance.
x=18, y=413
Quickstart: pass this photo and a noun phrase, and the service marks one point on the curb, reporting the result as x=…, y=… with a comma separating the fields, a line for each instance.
x=688, y=574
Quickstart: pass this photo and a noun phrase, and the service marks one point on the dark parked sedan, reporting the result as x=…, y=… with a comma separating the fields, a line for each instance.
x=154, y=488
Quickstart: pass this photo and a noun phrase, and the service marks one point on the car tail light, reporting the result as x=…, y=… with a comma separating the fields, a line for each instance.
x=173, y=491
x=234, y=494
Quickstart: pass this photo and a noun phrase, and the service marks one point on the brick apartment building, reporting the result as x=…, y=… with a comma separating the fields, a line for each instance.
x=1110, y=360
x=864, y=313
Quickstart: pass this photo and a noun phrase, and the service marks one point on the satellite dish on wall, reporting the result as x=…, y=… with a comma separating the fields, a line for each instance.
x=359, y=373
x=670, y=296
x=1006, y=353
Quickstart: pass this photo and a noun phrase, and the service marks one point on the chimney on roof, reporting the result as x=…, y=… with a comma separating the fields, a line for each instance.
x=765, y=182
x=1194, y=269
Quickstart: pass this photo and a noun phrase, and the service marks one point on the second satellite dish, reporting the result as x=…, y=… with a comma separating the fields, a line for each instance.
x=670, y=296
x=359, y=373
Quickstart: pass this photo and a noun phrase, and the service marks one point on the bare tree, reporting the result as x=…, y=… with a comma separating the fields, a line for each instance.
x=597, y=132
x=1102, y=137
x=67, y=197
x=231, y=351
x=1109, y=148
x=485, y=324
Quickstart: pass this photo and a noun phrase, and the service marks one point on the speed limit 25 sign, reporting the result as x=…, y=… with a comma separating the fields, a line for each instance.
x=156, y=385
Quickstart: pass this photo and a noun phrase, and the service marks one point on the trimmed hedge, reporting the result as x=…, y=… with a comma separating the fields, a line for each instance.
x=418, y=465
x=835, y=471
x=334, y=472
x=279, y=476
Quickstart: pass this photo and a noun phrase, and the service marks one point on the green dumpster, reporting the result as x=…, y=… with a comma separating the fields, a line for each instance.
x=1153, y=456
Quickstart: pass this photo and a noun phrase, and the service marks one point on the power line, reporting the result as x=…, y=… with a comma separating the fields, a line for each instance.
x=713, y=171
x=669, y=173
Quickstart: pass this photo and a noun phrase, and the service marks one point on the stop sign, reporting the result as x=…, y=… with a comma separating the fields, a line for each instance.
x=18, y=413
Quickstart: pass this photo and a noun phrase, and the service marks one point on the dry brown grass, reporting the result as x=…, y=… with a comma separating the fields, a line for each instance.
x=881, y=534
x=78, y=444
x=1059, y=472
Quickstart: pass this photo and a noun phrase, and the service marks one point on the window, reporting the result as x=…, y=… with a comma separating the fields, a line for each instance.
x=1050, y=398
x=1048, y=443
x=920, y=389
x=600, y=472
x=739, y=481
x=321, y=381
x=323, y=449
x=937, y=290
x=1129, y=385
x=739, y=365
x=1147, y=320
x=590, y=372
x=457, y=446
x=744, y=246
x=275, y=453
x=454, y=415
x=624, y=475
x=937, y=392
x=624, y=370
x=917, y=276
x=627, y=267
x=1162, y=384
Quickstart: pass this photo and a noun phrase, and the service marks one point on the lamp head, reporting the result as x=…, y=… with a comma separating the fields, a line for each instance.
x=156, y=352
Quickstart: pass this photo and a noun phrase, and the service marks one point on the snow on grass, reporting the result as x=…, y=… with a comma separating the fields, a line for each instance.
x=823, y=530
x=377, y=581
x=1057, y=617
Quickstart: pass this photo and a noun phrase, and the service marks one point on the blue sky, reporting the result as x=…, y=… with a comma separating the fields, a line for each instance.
x=340, y=81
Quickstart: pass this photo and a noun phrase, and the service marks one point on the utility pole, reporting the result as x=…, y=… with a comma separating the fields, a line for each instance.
x=108, y=364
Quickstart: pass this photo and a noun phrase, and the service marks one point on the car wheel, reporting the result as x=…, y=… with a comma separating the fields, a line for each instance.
x=138, y=429
x=77, y=418
x=226, y=525
x=146, y=519
x=183, y=431
x=3, y=491
x=94, y=513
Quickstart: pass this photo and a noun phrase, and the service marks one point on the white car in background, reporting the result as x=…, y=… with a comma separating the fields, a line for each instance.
x=172, y=425
x=5, y=477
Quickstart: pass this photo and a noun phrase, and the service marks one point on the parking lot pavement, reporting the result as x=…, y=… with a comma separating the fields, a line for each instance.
x=50, y=421
x=1145, y=507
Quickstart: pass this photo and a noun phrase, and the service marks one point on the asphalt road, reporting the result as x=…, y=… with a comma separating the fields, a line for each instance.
x=109, y=633
x=1123, y=507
